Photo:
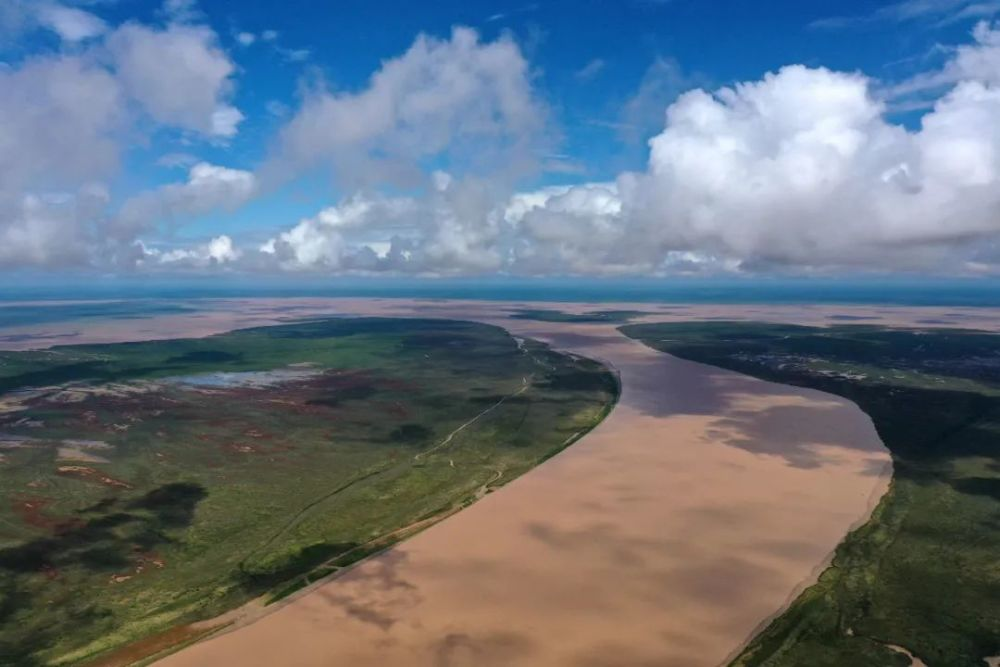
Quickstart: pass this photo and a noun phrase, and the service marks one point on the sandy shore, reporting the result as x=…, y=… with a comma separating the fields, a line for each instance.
x=695, y=511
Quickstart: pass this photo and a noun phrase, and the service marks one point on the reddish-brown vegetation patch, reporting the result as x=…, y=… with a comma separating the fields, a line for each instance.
x=142, y=650
x=31, y=510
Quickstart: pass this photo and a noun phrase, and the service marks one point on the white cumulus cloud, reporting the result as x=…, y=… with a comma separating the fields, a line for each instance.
x=65, y=118
x=70, y=23
x=330, y=240
x=218, y=251
x=178, y=74
x=58, y=121
x=440, y=96
x=208, y=188
x=803, y=169
x=800, y=170
x=51, y=230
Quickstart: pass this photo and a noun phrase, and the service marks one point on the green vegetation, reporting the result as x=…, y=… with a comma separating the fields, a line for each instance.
x=591, y=317
x=922, y=574
x=148, y=485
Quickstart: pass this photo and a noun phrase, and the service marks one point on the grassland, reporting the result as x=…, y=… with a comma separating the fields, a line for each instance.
x=149, y=485
x=922, y=574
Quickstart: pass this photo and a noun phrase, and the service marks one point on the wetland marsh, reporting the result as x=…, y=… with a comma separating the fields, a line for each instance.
x=150, y=485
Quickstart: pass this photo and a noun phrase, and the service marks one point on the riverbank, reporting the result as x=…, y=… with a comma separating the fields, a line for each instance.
x=699, y=507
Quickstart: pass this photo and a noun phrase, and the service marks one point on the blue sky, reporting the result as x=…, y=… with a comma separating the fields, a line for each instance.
x=710, y=43
x=562, y=181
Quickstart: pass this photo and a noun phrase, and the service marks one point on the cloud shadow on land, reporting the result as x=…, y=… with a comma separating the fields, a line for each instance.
x=104, y=539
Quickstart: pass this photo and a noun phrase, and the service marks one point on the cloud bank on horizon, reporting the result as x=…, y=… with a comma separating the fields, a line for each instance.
x=435, y=166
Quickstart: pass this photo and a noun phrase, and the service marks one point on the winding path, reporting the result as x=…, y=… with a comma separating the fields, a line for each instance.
x=447, y=440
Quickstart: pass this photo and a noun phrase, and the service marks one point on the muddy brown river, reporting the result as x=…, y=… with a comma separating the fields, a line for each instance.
x=666, y=536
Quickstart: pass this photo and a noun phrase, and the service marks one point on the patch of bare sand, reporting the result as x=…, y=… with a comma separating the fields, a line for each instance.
x=697, y=509
x=78, y=454
x=914, y=660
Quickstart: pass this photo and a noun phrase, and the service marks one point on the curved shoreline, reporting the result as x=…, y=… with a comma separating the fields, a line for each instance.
x=600, y=597
x=670, y=578
x=878, y=494
x=256, y=610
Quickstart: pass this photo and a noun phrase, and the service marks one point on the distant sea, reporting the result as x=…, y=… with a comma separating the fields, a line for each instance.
x=143, y=298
